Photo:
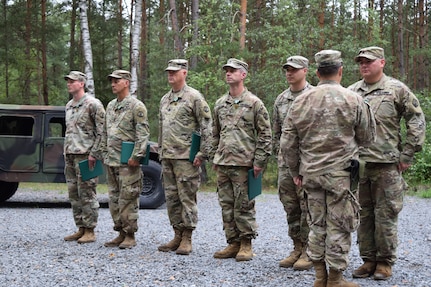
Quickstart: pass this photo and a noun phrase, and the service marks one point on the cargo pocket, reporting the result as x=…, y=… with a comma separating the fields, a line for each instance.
x=346, y=213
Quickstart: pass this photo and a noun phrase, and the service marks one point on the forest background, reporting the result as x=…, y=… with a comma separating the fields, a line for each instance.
x=41, y=41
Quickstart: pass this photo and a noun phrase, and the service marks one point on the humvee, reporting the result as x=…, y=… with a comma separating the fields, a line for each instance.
x=31, y=150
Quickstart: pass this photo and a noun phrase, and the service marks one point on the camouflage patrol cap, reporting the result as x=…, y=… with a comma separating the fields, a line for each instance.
x=177, y=64
x=120, y=74
x=297, y=62
x=326, y=58
x=371, y=53
x=76, y=76
x=236, y=64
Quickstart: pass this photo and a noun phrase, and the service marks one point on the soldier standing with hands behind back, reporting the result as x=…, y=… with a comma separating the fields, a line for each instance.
x=126, y=120
x=85, y=118
x=241, y=141
x=183, y=111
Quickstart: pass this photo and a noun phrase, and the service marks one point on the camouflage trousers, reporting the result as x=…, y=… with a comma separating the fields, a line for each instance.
x=181, y=181
x=82, y=194
x=381, y=194
x=238, y=213
x=333, y=213
x=294, y=204
x=124, y=186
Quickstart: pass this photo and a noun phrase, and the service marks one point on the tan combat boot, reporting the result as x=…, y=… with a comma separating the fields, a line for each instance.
x=383, y=271
x=294, y=255
x=365, y=270
x=245, y=252
x=186, y=243
x=304, y=262
x=321, y=274
x=117, y=240
x=229, y=252
x=174, y=243
x=128, y=242
x=88, y=236
x=76, y=235
x=336, y=279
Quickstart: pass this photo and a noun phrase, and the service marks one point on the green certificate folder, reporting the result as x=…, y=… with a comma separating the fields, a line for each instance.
x=195, y=147
x=254, y=184
x=126, y=153
x=87, y=173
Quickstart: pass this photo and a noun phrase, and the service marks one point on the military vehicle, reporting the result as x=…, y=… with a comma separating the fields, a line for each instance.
x=31, y=150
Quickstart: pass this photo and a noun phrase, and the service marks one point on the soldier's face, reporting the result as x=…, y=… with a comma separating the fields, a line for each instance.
x=118, y=85
x=370, y=69
x=234, y=75
x=74, y=86
x=176, y=77
x=294, y=76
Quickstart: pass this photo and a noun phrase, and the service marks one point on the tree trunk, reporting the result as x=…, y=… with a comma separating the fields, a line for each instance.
x=370, y=20
x=136, y=32
x=120, y=34
x=72, y=47
x=44, y=58
x=400, y=39
x=86, y=46
x=143, y=65
x=242, y=28
x=27, y=72
x=6, y=48
x=423, y=71
x=195, y=18
x=321, y=20
x=178, y=45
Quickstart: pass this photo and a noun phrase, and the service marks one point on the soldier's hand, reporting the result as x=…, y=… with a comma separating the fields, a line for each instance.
x=402, y=166
x=91, y=162
x=256, y=171
x=132, y=162
x=298, y=180
x=197, y=161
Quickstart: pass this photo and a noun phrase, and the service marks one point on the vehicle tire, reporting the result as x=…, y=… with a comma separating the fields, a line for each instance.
x=7, y=189
x=152, y=194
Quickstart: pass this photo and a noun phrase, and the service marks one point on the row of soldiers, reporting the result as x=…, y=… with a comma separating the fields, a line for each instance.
x=323, y=137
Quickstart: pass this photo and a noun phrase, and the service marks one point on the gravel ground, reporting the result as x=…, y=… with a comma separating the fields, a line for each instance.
x=33, y=252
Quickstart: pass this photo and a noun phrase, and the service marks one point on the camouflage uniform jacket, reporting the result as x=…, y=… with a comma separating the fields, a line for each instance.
x=84, y=126
x=390, y=101
x=281, y=107
x=324, y=128
x=241, y=131
x=180, y=115
x=126, y=120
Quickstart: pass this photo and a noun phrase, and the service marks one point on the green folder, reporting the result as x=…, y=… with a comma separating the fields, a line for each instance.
x=254, y=184
x=195, y=147
x=126, y=153
x=87, y=173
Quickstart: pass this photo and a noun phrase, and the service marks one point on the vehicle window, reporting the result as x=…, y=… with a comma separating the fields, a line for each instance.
x=57, y=127
x=16, y=126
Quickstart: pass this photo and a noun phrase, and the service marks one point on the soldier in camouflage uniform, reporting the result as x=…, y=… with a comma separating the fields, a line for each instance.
x=183, y=111
x=241, y=141
x=381, y=188
x=85, y=116
x=292, y=198
x=321, y=136
x=126, y=120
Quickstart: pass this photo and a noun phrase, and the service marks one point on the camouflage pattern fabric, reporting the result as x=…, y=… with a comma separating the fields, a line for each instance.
x=84, y=126
x=390, y=101
x=242, y=139
x=381, y=187
x=290, y=196
x=126, y=120
x=238, y=213
x=333, y=213
x=180, y=115
x=181, y=181
x=82, y=194
x=241, y=131
x=382, y=184
x=321, y=135
x=84, y=129
x=124, y=187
